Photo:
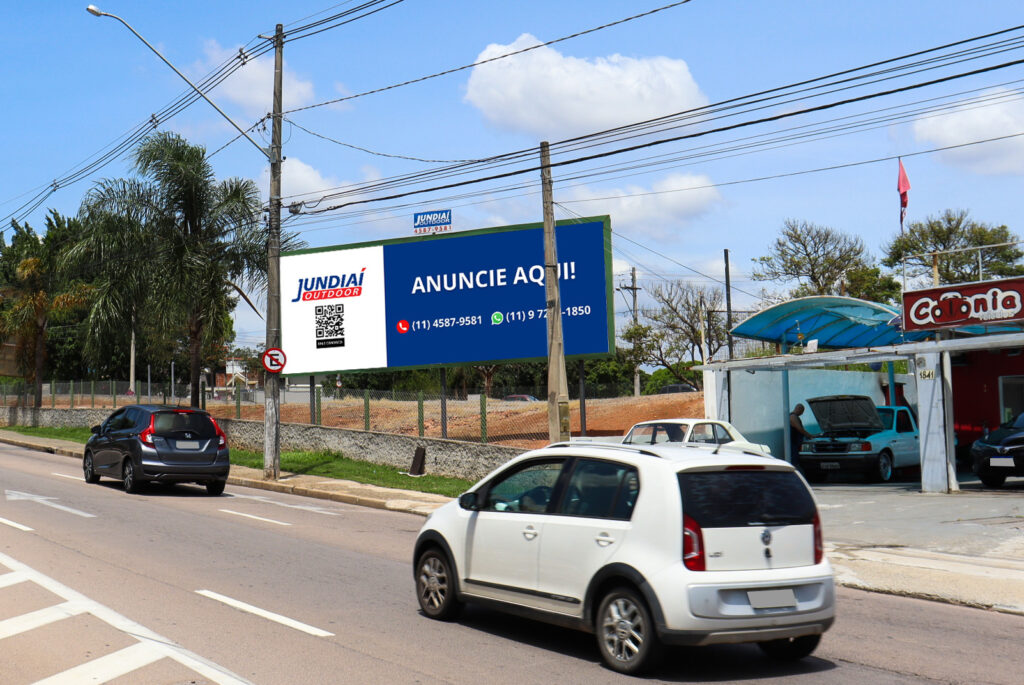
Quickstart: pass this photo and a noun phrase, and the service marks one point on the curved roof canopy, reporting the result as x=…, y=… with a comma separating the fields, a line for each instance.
x=835, y=322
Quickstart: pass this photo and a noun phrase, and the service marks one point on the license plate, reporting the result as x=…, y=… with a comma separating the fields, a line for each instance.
x=829, y=466
x=771, y=599
x=1000, y=461
x=187, y=444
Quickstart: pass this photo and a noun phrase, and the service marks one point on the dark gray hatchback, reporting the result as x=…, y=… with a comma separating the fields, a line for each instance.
x=148, y=443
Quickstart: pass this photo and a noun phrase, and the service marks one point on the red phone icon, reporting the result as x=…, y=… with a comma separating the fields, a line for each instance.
x=403, y=326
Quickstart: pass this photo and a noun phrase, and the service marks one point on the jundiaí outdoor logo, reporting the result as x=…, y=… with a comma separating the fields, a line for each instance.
x=330, y=287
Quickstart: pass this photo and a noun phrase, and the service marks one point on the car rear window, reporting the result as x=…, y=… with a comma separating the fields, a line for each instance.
x=732, y=499
x=175, y=423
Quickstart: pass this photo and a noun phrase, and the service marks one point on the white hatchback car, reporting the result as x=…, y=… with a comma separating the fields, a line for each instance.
x=641, y=545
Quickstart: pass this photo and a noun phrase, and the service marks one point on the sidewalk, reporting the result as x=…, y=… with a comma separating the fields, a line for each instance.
x=965, y=548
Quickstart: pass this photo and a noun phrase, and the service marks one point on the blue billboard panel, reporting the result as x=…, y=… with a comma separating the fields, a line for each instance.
x=464, y=298
x=479, y=298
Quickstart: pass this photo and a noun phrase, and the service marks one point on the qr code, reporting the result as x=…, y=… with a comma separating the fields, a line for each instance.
x=330, y=325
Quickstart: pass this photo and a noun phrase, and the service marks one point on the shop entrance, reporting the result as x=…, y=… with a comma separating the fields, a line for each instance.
x=1011, y=397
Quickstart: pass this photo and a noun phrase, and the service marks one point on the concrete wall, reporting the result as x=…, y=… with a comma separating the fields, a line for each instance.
x=444, y=457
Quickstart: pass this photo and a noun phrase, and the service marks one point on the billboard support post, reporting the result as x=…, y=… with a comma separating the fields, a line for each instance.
x=558, y=388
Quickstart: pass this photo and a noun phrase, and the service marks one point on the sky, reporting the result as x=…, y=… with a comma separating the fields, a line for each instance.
x=75, y=84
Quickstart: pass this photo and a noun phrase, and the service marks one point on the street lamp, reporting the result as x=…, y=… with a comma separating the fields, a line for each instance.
x=272, y=416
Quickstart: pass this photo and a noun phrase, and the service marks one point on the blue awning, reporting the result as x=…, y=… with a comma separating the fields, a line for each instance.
x=835, y=322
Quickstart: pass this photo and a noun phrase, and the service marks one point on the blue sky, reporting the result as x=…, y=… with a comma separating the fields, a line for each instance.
x=74, y=83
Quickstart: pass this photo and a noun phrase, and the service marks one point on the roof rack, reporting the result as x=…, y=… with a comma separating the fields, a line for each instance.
x=608, y=445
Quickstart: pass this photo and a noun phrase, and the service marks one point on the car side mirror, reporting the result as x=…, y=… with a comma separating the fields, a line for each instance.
x=95, y=429
x=468, y=501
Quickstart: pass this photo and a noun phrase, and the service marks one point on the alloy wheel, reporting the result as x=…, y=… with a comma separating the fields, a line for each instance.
x=433, y=584
x=623, y=630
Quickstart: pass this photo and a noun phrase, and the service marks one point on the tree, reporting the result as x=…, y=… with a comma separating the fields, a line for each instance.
x=671, y=331
x=36, y=291
x=869, y=283
x=200, y=240
x=954, y=230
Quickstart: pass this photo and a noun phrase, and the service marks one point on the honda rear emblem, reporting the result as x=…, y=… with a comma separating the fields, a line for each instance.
x=766, y=537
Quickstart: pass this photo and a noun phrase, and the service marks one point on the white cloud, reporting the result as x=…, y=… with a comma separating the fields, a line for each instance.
x=252, y=86
x=631, y=207
x=1004, y=118
x=550, y=95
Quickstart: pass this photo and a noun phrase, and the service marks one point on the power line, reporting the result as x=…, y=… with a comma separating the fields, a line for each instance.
x=374, y=152
x=486, y=61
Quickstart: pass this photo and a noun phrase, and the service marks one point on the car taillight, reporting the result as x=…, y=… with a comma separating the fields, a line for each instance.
x=693, y=545
x=222, y=440
x=819, y=546
x=146, y=436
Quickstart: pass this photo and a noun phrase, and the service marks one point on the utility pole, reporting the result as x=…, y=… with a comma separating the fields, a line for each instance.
x=636, y=322
x=272, y=387
x=728, y=304
x=558, y=387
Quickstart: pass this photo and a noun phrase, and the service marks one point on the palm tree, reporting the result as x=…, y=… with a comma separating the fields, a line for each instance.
x=36, y=291
x=196, y=242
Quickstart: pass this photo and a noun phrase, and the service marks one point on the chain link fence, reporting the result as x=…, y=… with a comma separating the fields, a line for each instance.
x=512, y=416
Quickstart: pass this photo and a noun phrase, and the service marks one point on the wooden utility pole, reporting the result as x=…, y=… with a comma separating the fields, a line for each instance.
x=272, y=386
x=636, y=322
x=558, y=387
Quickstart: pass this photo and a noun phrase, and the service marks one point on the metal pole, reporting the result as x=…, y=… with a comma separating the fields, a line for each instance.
x=980, y=274
x=583, y=399
x=149, y=384
x=483, y=417
x=272, y=413
x=444, y=402
x=728, y=304
x=312, y=399
x=172, y=385
x=419, y=411
x=558, y=390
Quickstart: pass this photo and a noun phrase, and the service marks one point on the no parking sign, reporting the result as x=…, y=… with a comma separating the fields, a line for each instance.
x=273, y=360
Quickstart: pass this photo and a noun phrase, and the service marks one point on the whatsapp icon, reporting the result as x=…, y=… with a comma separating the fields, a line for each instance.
x=496, y=318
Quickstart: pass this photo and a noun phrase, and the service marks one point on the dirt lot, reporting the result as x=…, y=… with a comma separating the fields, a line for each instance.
x=523, y=424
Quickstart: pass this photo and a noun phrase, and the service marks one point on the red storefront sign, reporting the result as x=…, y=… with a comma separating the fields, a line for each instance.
x=969, y=304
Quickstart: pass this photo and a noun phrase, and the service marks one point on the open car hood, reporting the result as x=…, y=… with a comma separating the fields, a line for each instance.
x=845, y=412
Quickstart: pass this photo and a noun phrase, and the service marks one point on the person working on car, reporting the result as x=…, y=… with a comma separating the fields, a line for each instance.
x=797, y=433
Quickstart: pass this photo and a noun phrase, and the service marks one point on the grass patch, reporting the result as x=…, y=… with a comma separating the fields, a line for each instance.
x=81, y=435
x=334, y=465
x=325, y=464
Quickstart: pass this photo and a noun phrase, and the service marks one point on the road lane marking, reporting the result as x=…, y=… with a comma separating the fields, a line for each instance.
x=41, y=499
x=12, y=578
x=263, y=613
x=64, y=475
x=81, y=604
x=106, y=668
x=258, y=518
x=303, y=507
x=37, y=619
x=12, y=524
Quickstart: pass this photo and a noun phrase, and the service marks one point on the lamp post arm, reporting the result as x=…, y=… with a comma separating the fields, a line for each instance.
x=184, y=78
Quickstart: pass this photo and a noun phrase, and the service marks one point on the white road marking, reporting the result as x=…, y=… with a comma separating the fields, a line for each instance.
x=258, y=518
x=81, y=604
x=64, y=475
x=303, y=507
x=283, y=620
x=107, y=667
x=12, y=524
x=12, y=578
x=37, y=619
x=16, y=495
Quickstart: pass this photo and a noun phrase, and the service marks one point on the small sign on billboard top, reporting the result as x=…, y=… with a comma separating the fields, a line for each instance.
x=436, y=221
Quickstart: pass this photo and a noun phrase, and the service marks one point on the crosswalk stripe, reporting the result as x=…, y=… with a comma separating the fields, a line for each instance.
x=108, y=667
x=37, y=619
x=12, y=578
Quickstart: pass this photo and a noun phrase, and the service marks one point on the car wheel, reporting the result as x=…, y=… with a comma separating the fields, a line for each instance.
x=882, y=472
x=625, y=632
x=435, y=585
x=990, y=479
x=790, y=649
x=87, y=469
x=131, y=484
x=215, y=487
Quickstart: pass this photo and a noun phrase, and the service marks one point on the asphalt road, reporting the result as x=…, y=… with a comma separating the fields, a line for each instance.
x=173, y=586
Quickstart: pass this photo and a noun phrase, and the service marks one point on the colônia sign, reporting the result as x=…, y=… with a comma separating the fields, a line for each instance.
x=969, y=304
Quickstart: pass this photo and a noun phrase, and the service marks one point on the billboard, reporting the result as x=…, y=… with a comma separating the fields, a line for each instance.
x=967, y=304
x=463, y=298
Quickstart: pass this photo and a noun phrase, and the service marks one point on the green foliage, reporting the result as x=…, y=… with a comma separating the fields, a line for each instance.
x=817, y=257
x=679, y=373
x=76, y=434
x=955, y=230
x=869, y=283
